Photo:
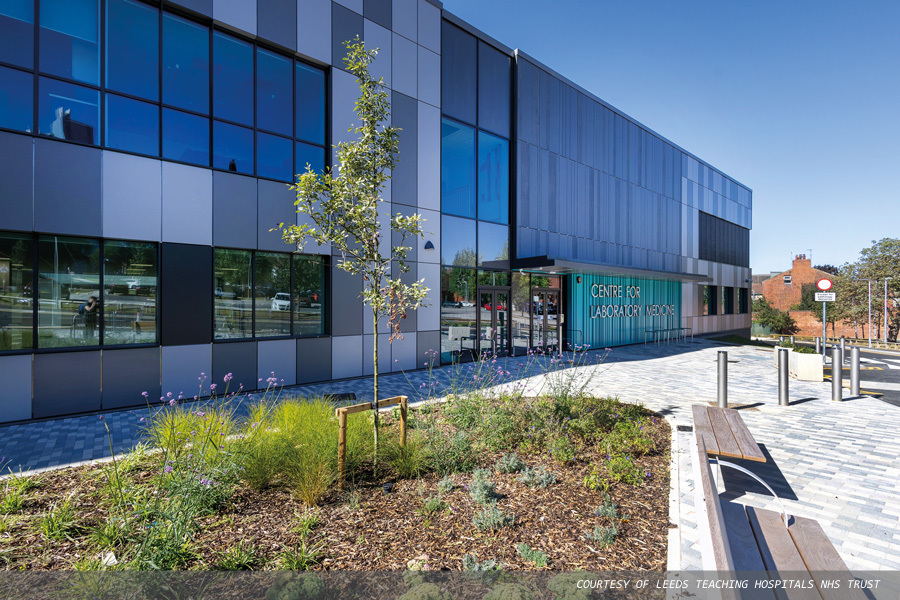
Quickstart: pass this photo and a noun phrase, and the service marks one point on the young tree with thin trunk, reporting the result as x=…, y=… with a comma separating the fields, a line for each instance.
x=346, y=212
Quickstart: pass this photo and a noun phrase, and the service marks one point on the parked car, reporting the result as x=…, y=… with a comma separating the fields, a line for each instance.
x=452, y=304
x=281, y=301
x=220, y=293
x=307, y=298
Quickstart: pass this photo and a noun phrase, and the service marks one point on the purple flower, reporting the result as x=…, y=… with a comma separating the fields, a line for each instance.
x=212, y=387
x=173, y=402
x=168, y=394
x=168, y=469
x=145, y=394
x=227, y=378
x=101, y=417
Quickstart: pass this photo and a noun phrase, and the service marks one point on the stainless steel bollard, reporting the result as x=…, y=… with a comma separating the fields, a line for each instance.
x=854, y=371
x=792, y=340
x=723, y=379
x=818, y=345
x=837, y=389
x=843, y=346
x=783, y=371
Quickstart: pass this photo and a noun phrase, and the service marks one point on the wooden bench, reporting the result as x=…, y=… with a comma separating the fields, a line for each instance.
x=741, y=540
x=724, y=433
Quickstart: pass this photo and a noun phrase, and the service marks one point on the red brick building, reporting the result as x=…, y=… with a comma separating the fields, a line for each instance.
x=785, y=290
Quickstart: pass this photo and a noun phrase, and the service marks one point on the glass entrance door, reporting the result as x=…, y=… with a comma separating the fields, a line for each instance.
x=545, y=318
x=493, y=321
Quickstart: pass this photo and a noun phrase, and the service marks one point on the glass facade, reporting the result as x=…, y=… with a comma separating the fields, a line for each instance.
x=457, y=242
x=493, y=178
x=309, y=295
x=129, y=292
x=16, y=292
x=68, y=294
x=170, y=87
x=272, y=294
x=457, y=169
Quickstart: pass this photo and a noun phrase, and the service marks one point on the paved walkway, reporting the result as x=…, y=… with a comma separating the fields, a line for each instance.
x=838, y=463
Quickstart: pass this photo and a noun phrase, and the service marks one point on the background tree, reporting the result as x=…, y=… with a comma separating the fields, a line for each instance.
x=830, y=269
x=778, y=321
x=878, y=261
x=346, y=210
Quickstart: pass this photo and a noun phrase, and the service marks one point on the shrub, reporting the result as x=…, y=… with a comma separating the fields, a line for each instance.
x=294, y=586
x=60, y=522
x=509, y=591
x=302, y=557
x=628, y=436
x=426, y=591
x=307, y=521
x=445, y=485
x=482, y=490
x=537, y=478
x=804, y=350
x=530, y=554
x=470, y=563
x=408, y=461
x=242, y=557
x=451, y=454
x=622, y=469
x=604, y=536
x=607, y=509
x=510, y=463
x=492, y=518
x=565, y=586
x=433, y=505
x=595, y=480
x=562, y=449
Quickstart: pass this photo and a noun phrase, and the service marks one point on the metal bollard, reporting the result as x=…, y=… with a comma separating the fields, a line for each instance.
x=818, y=345
x=723, y=379
x=854, y=371
x=792, y=340
x=783, y=369
x=843, y=347
x=836, y=364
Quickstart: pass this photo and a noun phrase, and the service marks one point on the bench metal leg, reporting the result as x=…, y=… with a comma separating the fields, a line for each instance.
x=723, y=463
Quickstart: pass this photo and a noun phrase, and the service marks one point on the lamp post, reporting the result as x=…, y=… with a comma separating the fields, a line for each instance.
x=886, y=279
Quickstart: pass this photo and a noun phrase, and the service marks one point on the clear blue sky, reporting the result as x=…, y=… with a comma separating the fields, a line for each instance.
x=798, y=100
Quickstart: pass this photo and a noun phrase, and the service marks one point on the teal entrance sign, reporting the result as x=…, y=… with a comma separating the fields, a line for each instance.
x=614, y=311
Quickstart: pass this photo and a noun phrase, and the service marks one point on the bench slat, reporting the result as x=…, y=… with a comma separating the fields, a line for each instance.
x=779, y=553
x=728, y=446
x=721, y=552
x=744, y=551
x=749, y=448
x=822, y=560
x=704, y=429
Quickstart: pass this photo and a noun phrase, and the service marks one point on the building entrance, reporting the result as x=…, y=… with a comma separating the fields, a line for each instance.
x=493, y=321
x=546, y=315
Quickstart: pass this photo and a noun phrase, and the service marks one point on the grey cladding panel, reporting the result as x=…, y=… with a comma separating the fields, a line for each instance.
x=313, y=359
x=459, y=73
x=405, y=115
x=66, y=383
x=17, y=180
x=345, y=26
x=276, y=20
x=186, y=294
x=204, y=7
x=276, y=205
x=67, y=186
x=379, y=11
x=346, y=308
x=129, y=373
x=237, y=358
x=234, y=210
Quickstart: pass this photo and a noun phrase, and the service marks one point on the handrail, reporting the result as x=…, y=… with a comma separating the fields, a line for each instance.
x=724, y=463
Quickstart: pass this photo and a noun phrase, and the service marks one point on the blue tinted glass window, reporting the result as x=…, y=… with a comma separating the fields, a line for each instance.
x=307, y=154
x=185, y=64
x=132, y=125
x=310, y=95
x=493, y=178
x=185, y=137
x=457, y=242
x=232, y=148
x=457, y=169
x=493, y=243
x=232, y=79
x=274, y=110
x=69, y=112
x=16, y=96
x=69, y=39
x=459, y=73
x=274, y=158
x=132, y=48
x=17, y=32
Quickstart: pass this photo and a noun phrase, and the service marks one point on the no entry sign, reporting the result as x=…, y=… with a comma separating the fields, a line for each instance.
x=824, y=284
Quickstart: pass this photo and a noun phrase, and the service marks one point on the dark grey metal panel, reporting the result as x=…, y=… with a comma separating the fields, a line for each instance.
x=379, y=11
x=494, y=94
x=129, y=373
x=239, y=359
x=204, y=7
x=66, y=383
x=345, y=26
x=459, y=73
x=346, y=309
x=17, y=181
x=186, y=290
x=276, y=20
x=405, y=115
x=234, y=210
x=427, y=343
x=66, y=188
x=313, y=359
x=276, y=205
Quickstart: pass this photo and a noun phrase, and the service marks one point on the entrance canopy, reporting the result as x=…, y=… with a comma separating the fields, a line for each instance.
x=557, y=266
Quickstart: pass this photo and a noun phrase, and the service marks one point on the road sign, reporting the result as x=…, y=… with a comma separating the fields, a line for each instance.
x=826, y=296
x=824, y=284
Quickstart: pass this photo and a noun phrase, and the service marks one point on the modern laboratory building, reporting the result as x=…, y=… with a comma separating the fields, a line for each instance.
x=147, y=148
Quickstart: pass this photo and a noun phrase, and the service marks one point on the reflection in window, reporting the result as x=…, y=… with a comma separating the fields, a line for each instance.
x=727, y=300
x=458, y=313
x=459, y=73
x=493, y=178
x=129, y=293
x=69, y=112
x=185, y=65
x=233, y=304
x=232, y=148
x=307, y=154
x=493, y=244
x=17, y=32
x=493, y=90
x=68, y=292
x=185, y=137
x=457, y=169
x=457, y=242
x=310, y=100
x=493, y=278
x=744, y=301
x=132, y=48
x=16, y=292
x=309, y=295
x=710, y=300
x=16, y=104
x=132, y=125
x=272, y=294
x=69, y=39
x=274, y=110
x=273, y=157
x=232, y=79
